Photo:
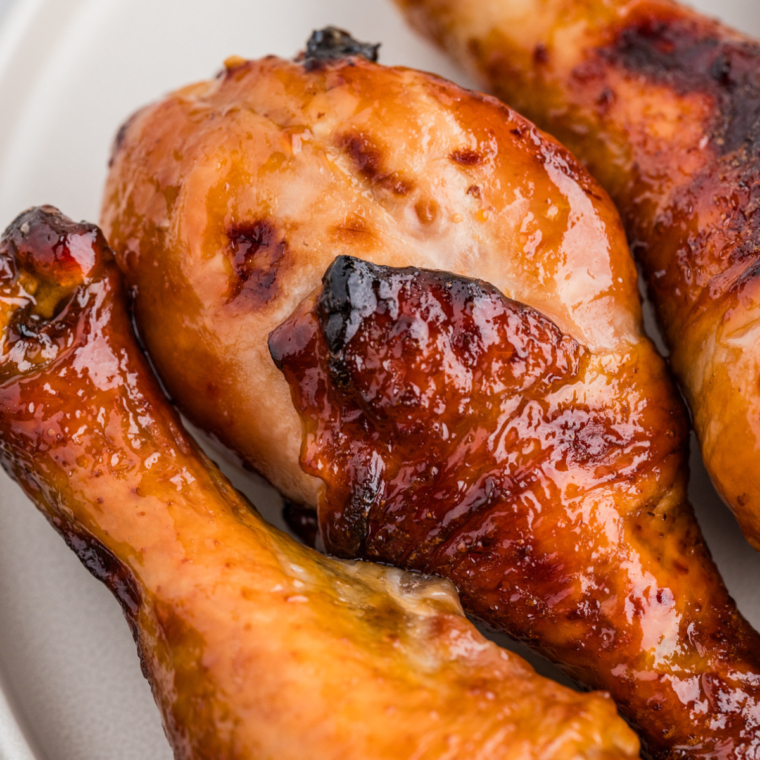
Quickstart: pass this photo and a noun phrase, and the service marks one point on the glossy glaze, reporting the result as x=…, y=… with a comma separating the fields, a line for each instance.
x=463, y=434
x=664, y=106
x=227, y=201
x=255, y=646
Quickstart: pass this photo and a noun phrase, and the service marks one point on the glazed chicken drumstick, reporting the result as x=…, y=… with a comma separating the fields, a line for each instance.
x=463, y=434
x=663, y=105
x=255, y=647
x=552, y=491
x=227, y=201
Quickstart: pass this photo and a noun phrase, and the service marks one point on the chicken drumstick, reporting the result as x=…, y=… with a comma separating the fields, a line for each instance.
x=464, y=434
x=255, y=647
x=663, y=105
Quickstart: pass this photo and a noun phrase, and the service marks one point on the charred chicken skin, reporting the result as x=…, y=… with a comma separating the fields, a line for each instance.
x=568, y=523
x=663, y=105
x=461, y=433
x=255, y=646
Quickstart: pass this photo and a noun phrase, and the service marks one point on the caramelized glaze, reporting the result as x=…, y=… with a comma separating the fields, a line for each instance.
x=227, y=201
x=404, y=169
x=663, y=105
x=255, y=647
x=461, y=433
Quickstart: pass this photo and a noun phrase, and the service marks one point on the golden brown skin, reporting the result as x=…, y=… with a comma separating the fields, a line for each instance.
x=663, y=105
x=463, y=434
x=227, y=201
x=255, y=646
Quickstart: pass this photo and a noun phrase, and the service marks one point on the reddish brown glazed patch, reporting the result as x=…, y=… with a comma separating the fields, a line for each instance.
x=446, y=423
x=58, y=250
x=50, y=257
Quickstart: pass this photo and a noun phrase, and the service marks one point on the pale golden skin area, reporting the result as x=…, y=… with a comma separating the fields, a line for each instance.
x=255, y=647
x=662, y=104
x=281, y=168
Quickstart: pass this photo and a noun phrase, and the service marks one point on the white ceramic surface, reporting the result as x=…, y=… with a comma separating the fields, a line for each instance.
x=70, y=72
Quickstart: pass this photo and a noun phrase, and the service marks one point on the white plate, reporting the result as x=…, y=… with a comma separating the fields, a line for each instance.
x=70, y=72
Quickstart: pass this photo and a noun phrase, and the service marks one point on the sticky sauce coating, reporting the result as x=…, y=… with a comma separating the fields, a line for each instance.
x=461, y=433
x=663, y=105
x=254, y=646
x=227, y=201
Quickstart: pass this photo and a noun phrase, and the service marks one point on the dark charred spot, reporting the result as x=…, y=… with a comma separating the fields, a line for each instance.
x=365, y=156
x=368, y=159
x=690, y=54
x=540, y=54
x=302, y=521
x=474, y=191
x=257, y=251
x=466, y=157
x=721, y=69
x=347, y=289
x=347, y=538
x=648, y=45
x=104, y=566
x=331, y=44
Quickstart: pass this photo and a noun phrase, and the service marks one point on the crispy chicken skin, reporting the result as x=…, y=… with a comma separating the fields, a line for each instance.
x=255, y=647
x=663, y=105
x=227, y=201
x=464, y=434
